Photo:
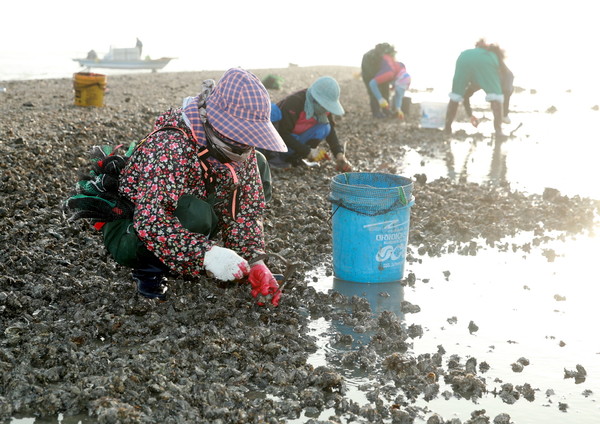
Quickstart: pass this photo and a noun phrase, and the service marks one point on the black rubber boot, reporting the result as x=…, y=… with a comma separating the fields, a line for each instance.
x=152, y=286
x=150, y=279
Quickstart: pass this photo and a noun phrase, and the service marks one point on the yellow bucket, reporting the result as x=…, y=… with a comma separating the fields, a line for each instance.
x=89, y=89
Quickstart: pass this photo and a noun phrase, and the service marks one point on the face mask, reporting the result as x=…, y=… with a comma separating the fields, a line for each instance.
x=224, y=149
x=320, y=113
x=319, y=110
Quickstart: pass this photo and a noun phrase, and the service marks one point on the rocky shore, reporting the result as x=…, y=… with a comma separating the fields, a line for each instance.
x=76, y=339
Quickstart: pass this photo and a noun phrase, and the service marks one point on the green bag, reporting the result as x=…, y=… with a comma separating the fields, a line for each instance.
x=123, y=244
x=265, y=175
x=197, y=215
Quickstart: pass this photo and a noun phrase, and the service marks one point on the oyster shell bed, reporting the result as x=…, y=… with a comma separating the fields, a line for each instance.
x=76, y=339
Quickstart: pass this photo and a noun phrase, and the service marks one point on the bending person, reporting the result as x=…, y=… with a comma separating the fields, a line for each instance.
x=506, y=80
x=375, y=62
x=195, y=177
x=479, y=66
x=306, y=118
x=397, y=77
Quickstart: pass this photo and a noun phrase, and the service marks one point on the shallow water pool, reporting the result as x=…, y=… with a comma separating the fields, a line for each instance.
x=538, y=305
x=524, y=305
x=555, y=144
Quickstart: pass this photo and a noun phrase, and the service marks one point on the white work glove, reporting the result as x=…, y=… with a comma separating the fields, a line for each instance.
x=225, y=265
x=317, y=154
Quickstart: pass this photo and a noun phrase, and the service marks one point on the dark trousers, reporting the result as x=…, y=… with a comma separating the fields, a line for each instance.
x=150, y=267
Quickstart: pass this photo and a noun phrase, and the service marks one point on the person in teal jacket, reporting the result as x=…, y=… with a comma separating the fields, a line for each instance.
x=189, y=198
x=507, y=80
x=479, y=66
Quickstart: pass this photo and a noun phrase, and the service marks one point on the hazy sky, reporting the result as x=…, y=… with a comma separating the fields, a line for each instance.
x=549, y=40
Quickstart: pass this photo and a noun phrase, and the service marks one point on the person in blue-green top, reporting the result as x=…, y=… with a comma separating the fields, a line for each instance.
x=506, y=79
x=480, y=66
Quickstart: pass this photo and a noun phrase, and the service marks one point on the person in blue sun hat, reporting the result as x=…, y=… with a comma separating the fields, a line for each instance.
x=306, y=118
x=189, y=198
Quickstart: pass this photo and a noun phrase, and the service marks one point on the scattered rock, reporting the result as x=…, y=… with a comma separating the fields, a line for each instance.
x=516, y=367
x=579, y=374
x=409, y=308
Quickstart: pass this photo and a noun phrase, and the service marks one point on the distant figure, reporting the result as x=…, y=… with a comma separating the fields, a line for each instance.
x=479, y=66
x=92, y=55
x=273, y=82
x=375, y=62
x=506, y=80
x=139, y=45
x=304, y=119
x=393, y=74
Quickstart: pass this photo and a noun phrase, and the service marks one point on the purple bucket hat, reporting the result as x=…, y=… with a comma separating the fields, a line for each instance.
x=240, y=108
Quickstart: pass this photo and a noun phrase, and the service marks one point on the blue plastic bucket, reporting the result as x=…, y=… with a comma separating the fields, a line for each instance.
x=370, y=223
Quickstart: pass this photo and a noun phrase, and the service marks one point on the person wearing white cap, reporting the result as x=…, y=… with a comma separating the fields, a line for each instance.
x=197, y=178
x=306, y=118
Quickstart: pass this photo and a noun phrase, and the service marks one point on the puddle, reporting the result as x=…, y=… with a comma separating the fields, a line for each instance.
x=545, y=151
x=524, y=306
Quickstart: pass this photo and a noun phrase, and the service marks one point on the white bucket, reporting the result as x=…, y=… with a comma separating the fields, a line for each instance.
x=433, y=114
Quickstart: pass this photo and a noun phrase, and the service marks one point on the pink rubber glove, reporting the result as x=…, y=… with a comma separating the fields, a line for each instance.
x=264, y=284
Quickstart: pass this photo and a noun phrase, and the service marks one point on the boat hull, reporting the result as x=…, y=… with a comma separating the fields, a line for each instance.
x=154, y=64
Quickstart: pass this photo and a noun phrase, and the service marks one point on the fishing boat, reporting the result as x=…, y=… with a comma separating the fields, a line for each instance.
x=123, y=58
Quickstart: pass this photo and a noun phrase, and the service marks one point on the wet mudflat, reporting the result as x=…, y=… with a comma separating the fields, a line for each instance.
x=490, y=326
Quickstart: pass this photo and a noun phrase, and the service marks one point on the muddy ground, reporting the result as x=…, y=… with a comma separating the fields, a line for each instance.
x=76, y=339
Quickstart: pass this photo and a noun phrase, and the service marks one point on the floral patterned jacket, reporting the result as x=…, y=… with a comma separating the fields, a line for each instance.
x=167, y=166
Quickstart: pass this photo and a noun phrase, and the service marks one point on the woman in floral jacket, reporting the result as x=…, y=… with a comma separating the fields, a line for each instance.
x=202, y=157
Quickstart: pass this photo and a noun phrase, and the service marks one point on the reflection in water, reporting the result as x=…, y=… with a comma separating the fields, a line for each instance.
x=381, y=296
x=548, y=139
x=462, y=173
x=474, y=159
x=497, y=174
